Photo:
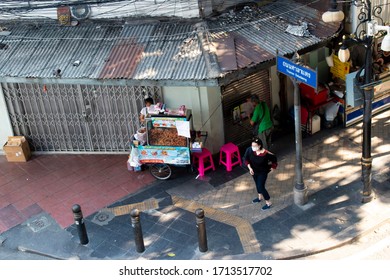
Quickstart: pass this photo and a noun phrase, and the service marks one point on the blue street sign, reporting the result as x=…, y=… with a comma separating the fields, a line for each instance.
x=302, y=74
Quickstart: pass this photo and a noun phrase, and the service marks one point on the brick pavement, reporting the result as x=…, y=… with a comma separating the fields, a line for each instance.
x=335, y=162
x=236, y=228
x=53, y=183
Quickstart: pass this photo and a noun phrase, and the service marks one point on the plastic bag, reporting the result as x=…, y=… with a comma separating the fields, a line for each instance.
x=331, y=111
x=134, y=158
x=129, y=167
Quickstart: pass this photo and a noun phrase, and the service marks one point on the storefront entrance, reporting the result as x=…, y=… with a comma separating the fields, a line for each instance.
x=235, y=112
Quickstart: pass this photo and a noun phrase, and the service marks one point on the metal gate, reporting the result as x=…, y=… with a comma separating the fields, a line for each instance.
x=235, y=94
x=76, y=118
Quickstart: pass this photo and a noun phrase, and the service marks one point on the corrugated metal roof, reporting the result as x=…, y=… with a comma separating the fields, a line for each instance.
x=265, y=28
x=234, y=51
x=35, y=52
x=122, y=61
x=226, y=52
x=247, y=58
x=300, y=12
x=156, y=50
x=172, y=52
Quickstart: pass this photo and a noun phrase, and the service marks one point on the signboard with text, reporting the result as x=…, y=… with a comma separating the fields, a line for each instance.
x=339, y=69
x=300, y=73
x=164, y=154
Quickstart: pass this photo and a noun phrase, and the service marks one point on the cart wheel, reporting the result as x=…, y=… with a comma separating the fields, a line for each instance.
x=161, y=171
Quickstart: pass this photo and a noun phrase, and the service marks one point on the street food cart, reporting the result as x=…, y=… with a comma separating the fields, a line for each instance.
x=167, y=143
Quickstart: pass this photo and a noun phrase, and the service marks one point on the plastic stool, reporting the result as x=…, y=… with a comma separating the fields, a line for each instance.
x=231, y=154
x=204, y=161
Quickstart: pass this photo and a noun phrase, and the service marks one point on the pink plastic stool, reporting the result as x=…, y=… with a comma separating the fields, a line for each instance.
x=229, y=155
x=204, y=161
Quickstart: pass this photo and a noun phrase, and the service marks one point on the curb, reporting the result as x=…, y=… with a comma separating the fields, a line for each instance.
x=36, y=252
x=351, y=240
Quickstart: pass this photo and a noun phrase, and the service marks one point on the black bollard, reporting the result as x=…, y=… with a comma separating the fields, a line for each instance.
x=137, y=229
x=79, y=222
x=201, y=225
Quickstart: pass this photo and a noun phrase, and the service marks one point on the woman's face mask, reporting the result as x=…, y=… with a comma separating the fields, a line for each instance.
x=255, y=148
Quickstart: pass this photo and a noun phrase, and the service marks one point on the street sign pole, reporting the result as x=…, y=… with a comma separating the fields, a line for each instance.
x=300, y=190
x=308, y=76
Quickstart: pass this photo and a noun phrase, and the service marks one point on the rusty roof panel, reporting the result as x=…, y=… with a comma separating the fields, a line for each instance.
x=249, y=54
x=226, y=53
x=235, y=51
x=122, y=61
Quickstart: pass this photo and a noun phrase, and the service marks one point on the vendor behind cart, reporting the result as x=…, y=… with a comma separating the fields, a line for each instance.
x=144, y=111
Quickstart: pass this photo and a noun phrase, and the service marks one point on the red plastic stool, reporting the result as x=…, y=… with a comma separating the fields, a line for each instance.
x=229, y=155
x=204, y=161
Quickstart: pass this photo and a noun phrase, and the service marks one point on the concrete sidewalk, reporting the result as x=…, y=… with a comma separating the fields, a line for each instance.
x=236, y=228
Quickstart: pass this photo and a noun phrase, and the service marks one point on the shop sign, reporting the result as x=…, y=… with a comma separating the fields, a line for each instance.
x=166, y=122
x=164, y=154
x=300, y=73
x=340, y=69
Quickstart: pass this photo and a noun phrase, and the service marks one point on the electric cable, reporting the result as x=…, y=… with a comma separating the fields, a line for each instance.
x=58, y=4
x=143, y=39
x=118, y=11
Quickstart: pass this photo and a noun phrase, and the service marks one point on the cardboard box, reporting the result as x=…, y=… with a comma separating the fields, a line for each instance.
x=196, y=147
x=17, y=149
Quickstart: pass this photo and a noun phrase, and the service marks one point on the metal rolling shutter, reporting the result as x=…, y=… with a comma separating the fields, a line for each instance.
x=235, y=94
x=76, y=118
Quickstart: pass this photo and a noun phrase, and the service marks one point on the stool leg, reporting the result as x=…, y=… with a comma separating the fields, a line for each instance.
x=229, y=162
x=201, y=167
x=222, y=158
x=212, y=162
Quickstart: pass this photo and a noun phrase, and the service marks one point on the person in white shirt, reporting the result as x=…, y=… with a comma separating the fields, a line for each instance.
x=144, y=111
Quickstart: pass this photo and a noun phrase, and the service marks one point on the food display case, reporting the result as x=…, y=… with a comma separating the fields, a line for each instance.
x=167, y=143
x=164, y=144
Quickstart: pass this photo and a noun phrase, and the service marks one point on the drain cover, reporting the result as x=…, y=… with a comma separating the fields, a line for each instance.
x=103, y=218
x=39, y=224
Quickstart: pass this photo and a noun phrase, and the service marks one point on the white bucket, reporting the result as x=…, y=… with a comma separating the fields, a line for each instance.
x=141, y=134
x=315, y=124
